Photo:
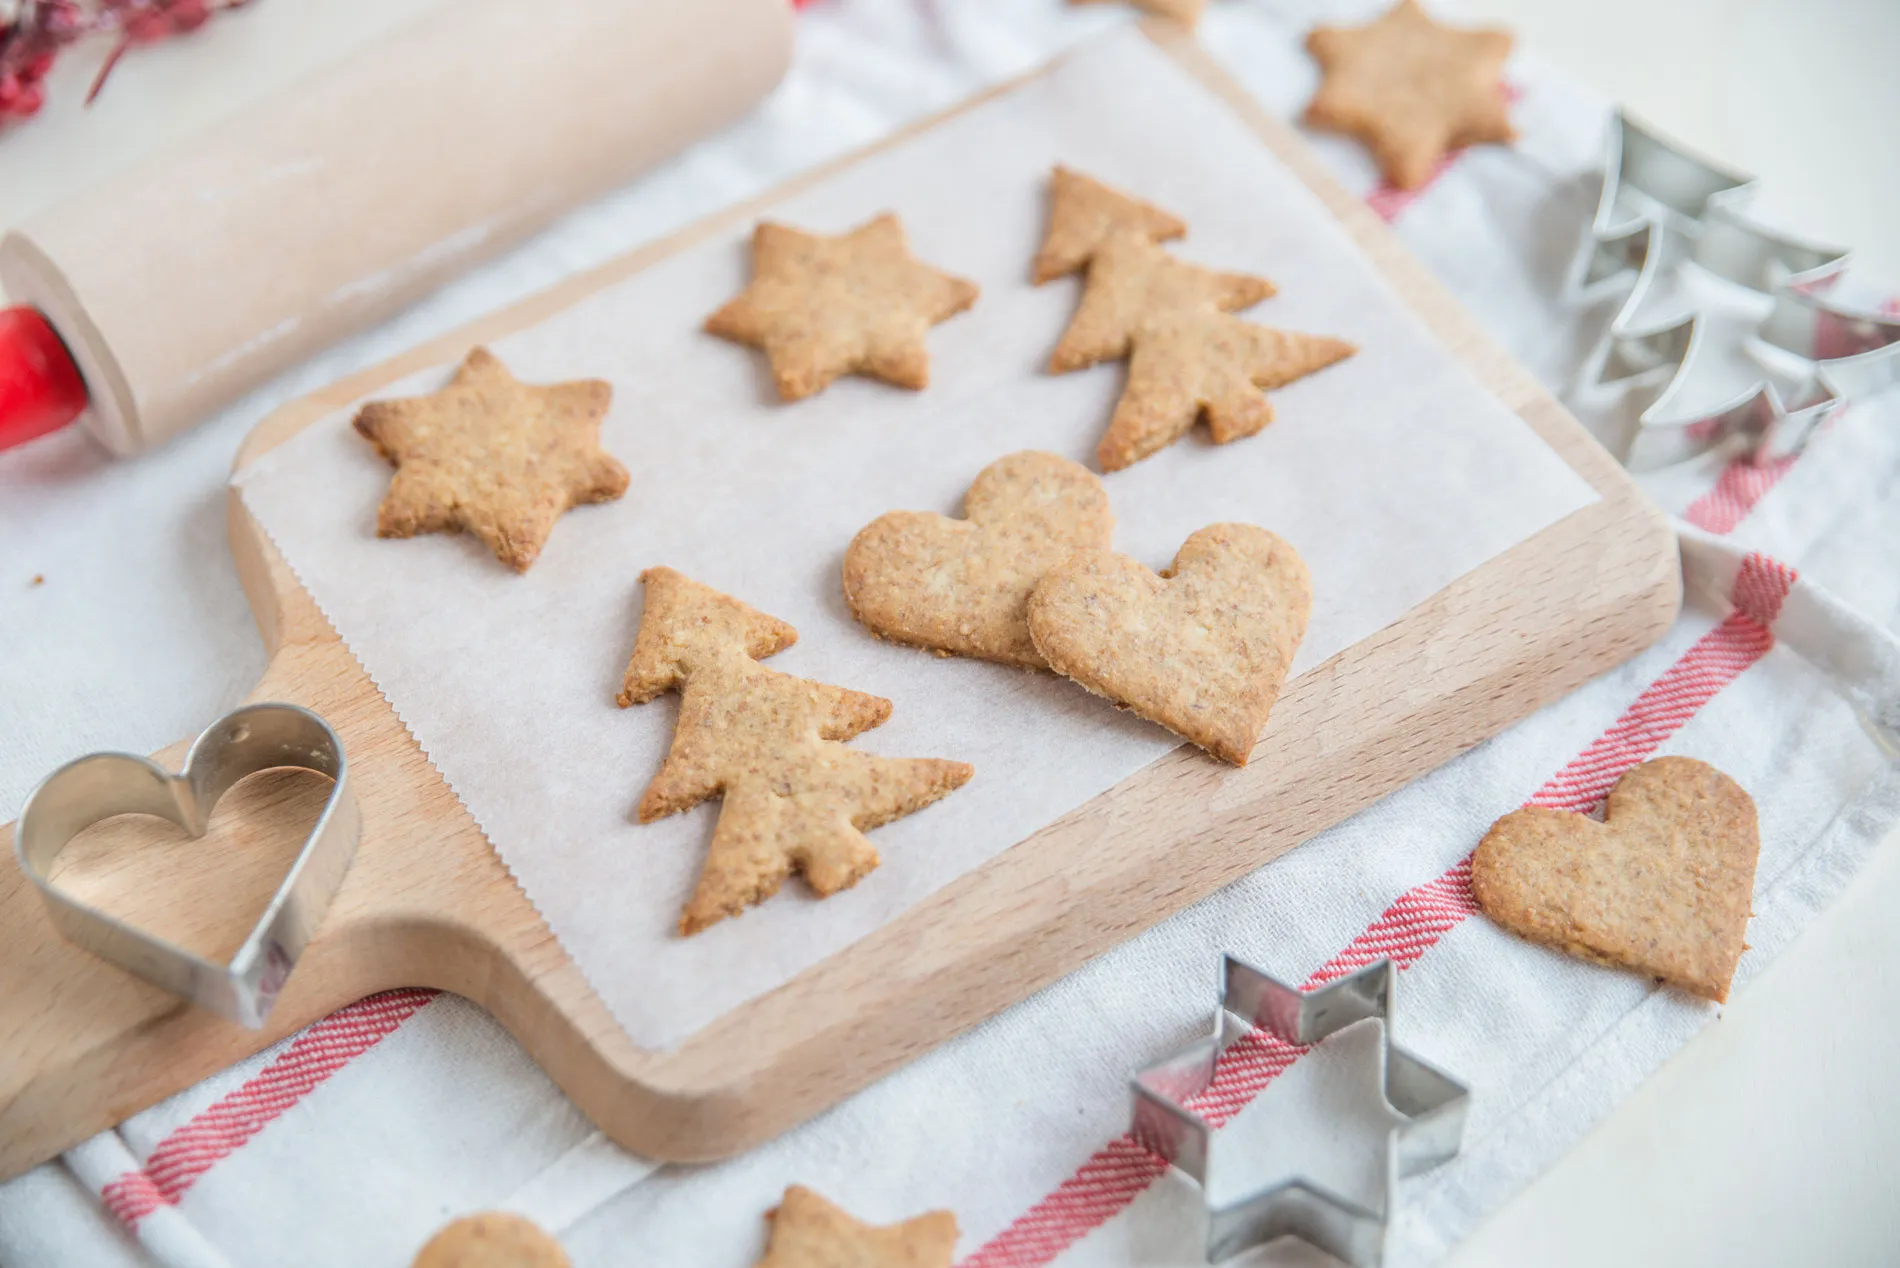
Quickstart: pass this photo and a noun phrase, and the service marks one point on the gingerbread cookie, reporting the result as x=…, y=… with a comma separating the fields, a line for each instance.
x=1083, y=214
x=820, y=307
x=1201, y=649
x=1131, y=282
x=1662, y=885
x=492, y=1239
x=795, y=798
x=1206, y=365
x=492, y=456
x=962, y=586
x=809, y=1232
x=1411, y=89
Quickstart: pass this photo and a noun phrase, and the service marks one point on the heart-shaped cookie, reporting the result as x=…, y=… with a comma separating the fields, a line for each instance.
x=962, y=586
x=1201, y=649
x=245, y=741
x=1661, y=886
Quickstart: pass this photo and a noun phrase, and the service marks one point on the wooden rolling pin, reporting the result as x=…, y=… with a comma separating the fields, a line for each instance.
x=352, y=193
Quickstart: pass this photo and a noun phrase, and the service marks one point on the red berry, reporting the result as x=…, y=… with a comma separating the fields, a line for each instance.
x=36, y=67
x=9, y=90
x=32, y=97
x=147, y=27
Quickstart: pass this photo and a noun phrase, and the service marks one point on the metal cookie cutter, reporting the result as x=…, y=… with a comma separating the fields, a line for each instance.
x=100, y=785
x=1663, y=207
x=1433, y=1103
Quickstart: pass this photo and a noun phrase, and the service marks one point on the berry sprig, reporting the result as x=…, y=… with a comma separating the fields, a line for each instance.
x=34, y=32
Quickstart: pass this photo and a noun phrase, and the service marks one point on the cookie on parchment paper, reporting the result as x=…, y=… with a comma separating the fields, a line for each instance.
x=1132, y=281
x=492, y=1239
x=795, y=798
x=859, y=303
x=1662, y=886
x=1209, y=365
x=492, y=456
x=961, y=586
x=809, y=1232
x=1412, y=89
x=1201, y=649
x=1083, y=214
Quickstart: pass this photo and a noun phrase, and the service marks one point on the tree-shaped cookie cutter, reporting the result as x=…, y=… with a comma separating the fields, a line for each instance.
x=1663, y=207
x=1431, y=1102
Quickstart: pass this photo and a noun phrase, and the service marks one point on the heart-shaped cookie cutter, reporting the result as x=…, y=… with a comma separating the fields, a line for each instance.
x=245, y=741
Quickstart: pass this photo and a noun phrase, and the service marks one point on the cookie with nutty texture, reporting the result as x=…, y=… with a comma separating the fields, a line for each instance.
x=491, y=1239
x=1201, y=649
x=492, y=456
x=1186, y=12
x=771, y=745
x=809, y=1232
x=1661, y=886
x=1083, y=214
x=1411, y=89
x=859, y=303
x=961, y=586
x=1210, y=365
x=1132, y=282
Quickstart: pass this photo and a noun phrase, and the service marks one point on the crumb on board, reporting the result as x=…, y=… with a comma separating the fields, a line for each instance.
x=39, y=578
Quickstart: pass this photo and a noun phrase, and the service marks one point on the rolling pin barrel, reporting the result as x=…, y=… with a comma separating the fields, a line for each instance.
x=367, y=184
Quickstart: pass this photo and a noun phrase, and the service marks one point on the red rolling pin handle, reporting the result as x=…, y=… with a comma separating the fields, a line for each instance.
x=40, y=387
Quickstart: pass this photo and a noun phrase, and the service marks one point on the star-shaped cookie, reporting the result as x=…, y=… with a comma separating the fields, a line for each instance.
x=1083, y=213
x=820, y=307
x=1411, y=89
x=492, y=456
x=1132, y=282
x=809, y=1232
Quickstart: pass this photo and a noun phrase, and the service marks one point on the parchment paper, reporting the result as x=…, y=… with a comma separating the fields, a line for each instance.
x=1393, y=473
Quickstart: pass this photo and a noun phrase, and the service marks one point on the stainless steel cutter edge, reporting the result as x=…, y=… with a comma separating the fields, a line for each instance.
x=1662, y=206
x=1431, y=1101
x=100, y=786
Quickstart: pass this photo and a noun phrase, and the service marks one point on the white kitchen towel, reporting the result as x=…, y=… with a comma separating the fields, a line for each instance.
x=349, y=1143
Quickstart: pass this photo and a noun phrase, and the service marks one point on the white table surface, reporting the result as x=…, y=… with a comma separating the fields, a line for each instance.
x=1771, y=1138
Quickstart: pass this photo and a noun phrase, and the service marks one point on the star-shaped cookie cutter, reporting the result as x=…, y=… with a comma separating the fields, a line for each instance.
x=1431, y=1102
x=1662, y=207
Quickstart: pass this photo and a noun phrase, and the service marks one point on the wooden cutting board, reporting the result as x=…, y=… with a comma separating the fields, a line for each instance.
x=428, y=902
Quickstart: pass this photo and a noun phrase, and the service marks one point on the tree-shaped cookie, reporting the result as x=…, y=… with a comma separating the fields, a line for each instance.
x=1205, y=364
x=1131, y=282
x=1189, y=358
x=796, y=799
x=494, y=456
x=858, y=303
x=1411, y=88
x=1083, y=214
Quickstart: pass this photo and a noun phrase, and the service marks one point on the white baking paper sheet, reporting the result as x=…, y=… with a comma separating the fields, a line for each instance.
x=1393, y=474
